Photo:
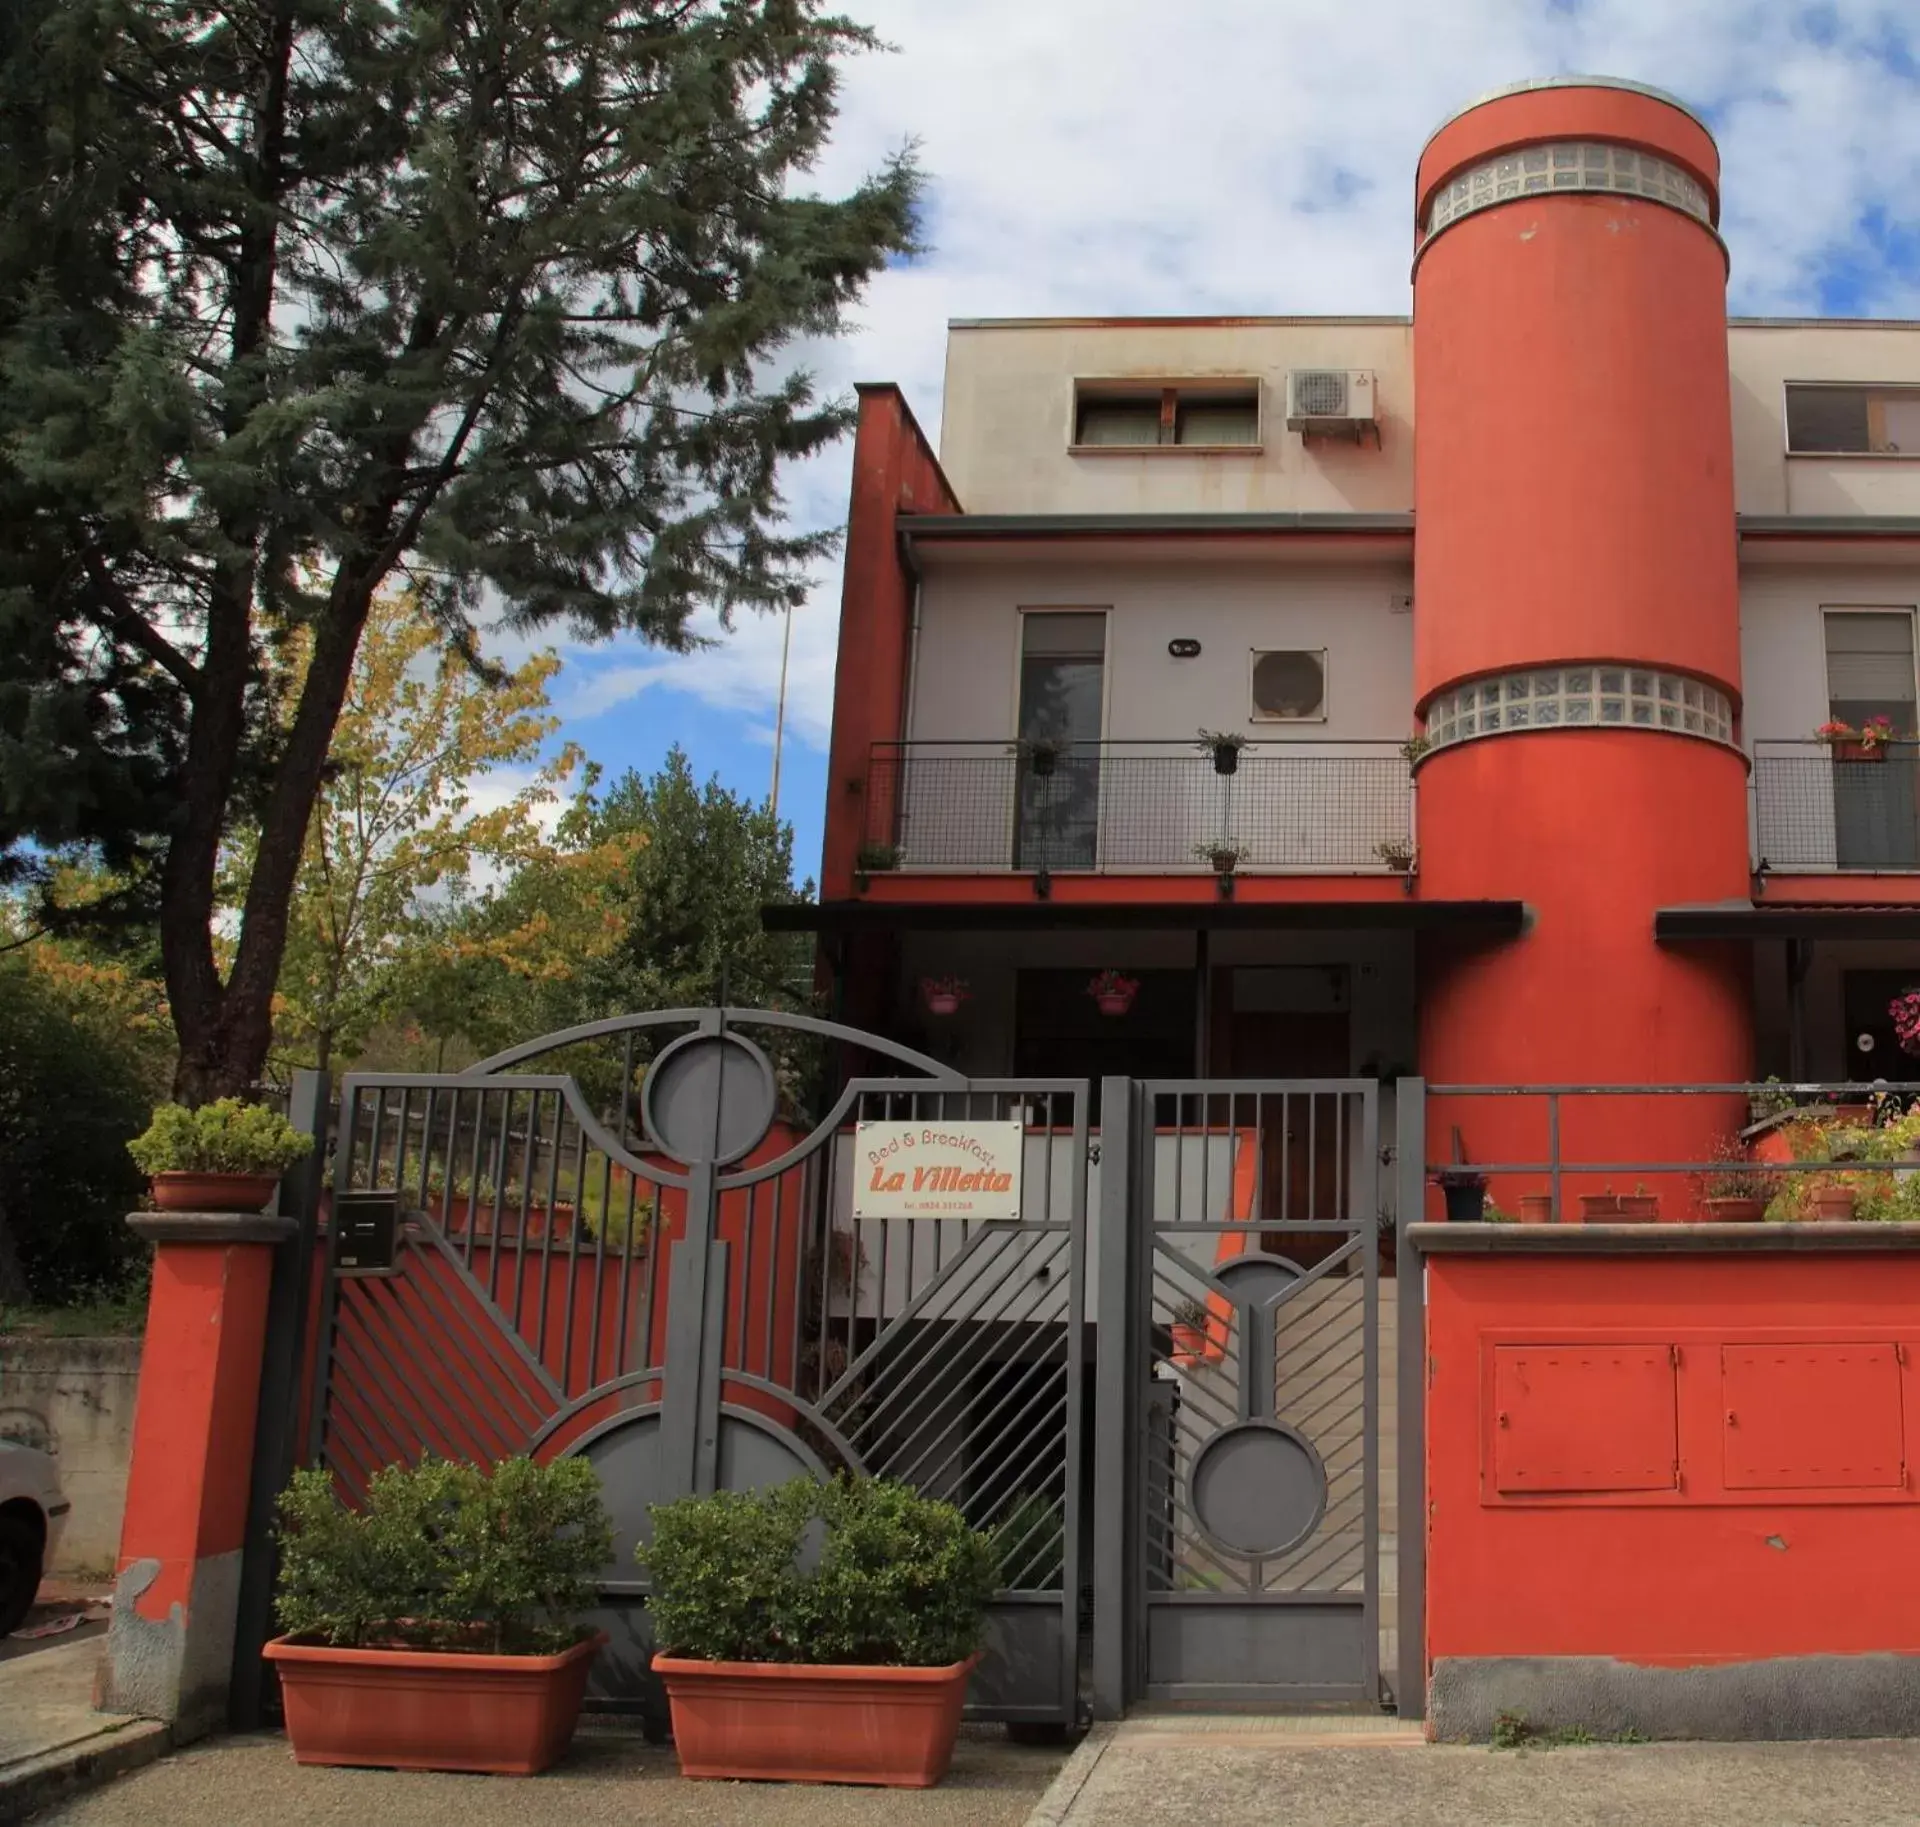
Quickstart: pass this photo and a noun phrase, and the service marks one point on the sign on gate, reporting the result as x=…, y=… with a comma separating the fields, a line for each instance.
x=937, y=1170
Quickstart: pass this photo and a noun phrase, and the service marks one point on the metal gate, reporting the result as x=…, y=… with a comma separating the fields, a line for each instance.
x=1256, y=1392
x=620, y=1241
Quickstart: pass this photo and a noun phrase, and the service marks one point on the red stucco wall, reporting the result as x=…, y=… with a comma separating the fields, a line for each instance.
x=1800, y=1363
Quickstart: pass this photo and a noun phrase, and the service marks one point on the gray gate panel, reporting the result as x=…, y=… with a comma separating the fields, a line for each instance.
x=1255, y=1359
x=1258, y=1650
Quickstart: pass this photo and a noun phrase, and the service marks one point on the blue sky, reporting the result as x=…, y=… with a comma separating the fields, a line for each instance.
x=1091, y=156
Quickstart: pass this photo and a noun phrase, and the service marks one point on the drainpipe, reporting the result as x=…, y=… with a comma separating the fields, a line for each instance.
x=913, y=646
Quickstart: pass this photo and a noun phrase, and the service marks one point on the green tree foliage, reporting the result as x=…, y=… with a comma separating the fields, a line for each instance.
x=682, y=872
x=300, y=299
x=75, y=1086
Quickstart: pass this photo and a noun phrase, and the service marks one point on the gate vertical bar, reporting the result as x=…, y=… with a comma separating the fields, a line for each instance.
x=1410, y=1156
x=276, y=1443
x=1113, y=1404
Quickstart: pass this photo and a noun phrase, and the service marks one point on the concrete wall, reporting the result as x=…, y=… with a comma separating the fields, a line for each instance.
x=1008, y=417
x=1009, y=402
x=1762, y=358
x=1665, y=1489
x=74, y=1398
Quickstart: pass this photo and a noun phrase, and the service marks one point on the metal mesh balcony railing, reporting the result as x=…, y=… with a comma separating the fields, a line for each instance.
x=1815, y=807
x=1137, y=805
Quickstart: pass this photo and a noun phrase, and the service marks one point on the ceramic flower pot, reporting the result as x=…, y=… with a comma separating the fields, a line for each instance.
x=403, y=1709
x=1834, y=1204
x=786, y=1722
x=1638, y=1208
x=1536, y=1208
x=199, y=1192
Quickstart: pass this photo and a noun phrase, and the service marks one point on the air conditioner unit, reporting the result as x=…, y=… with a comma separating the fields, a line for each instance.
x=1335, y=401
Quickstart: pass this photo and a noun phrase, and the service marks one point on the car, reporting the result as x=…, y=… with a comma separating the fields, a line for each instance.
x=33, y=1511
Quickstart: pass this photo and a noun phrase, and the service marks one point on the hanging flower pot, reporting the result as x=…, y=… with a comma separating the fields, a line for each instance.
x=1112, y=993
x=944, y=995
x=1224, y=746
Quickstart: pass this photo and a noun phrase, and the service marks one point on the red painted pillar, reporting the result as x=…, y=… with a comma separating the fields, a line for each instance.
x=170, y=1645
x=1577, y=633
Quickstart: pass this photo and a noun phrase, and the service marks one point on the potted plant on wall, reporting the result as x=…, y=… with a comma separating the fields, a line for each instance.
x=874, y=858
x=1734, y=1190
x=944, y=995
x=817, y=1632
x=226, y=1156
x=436, y=1629
x=1414, y=748
x=1224, y=746
x=1112, y=993
x=1867, y=743
x=1465, y=1191
x=1194, y=1335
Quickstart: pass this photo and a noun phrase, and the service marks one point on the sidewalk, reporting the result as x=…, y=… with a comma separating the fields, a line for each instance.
x=1231, y=1772
x=51, y=1739
x=613, y=1778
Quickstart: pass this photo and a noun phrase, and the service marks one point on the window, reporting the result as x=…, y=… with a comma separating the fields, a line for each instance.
x=1576, y=697
x=1876, y=817
x=1201, y=415
x=1853, y=420
x=1290, y=685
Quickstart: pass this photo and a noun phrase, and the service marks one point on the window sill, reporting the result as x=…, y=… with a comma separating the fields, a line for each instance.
x=1165, y=450
x=1855, y=456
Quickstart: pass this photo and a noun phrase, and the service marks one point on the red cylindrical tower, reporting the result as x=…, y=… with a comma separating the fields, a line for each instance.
x=1577, y=630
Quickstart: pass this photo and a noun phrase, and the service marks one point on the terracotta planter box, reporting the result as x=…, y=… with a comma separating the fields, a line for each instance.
x=1735, y=1211
x=404, y=1709
x=1599, y=1208
x=197, y=1192
x=1835, y=1206
x=1638, y=1208
x=1859, y=751
x=782, y=1722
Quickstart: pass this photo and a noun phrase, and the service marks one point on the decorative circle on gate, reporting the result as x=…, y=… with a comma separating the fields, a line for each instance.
x=1258, y=1488
x=709, y=1098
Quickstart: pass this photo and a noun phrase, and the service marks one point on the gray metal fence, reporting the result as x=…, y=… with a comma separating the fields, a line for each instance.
x=634, y=1259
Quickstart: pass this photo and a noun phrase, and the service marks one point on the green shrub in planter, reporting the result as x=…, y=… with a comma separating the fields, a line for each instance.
x=856, y=1572
x=227, y=1136
x=445, y=1557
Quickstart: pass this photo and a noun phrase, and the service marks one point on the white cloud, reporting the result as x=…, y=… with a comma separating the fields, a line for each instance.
x=1124, y=156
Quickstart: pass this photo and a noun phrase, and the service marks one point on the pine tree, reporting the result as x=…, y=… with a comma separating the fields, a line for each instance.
x=304, y=299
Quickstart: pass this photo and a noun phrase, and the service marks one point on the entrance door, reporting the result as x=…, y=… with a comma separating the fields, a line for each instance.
x=1063, y=666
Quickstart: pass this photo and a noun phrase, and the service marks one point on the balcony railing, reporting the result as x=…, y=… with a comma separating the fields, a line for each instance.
x=1125, y=806
x=1815, y=808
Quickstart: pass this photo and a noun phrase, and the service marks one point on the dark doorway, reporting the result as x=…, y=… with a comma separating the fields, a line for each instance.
x=1294, y=1022
x=1059, y=1032
x=1864, y=998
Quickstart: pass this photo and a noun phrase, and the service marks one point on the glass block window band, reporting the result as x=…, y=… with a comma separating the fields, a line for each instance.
x=1580, y=697
x=1580, y=165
